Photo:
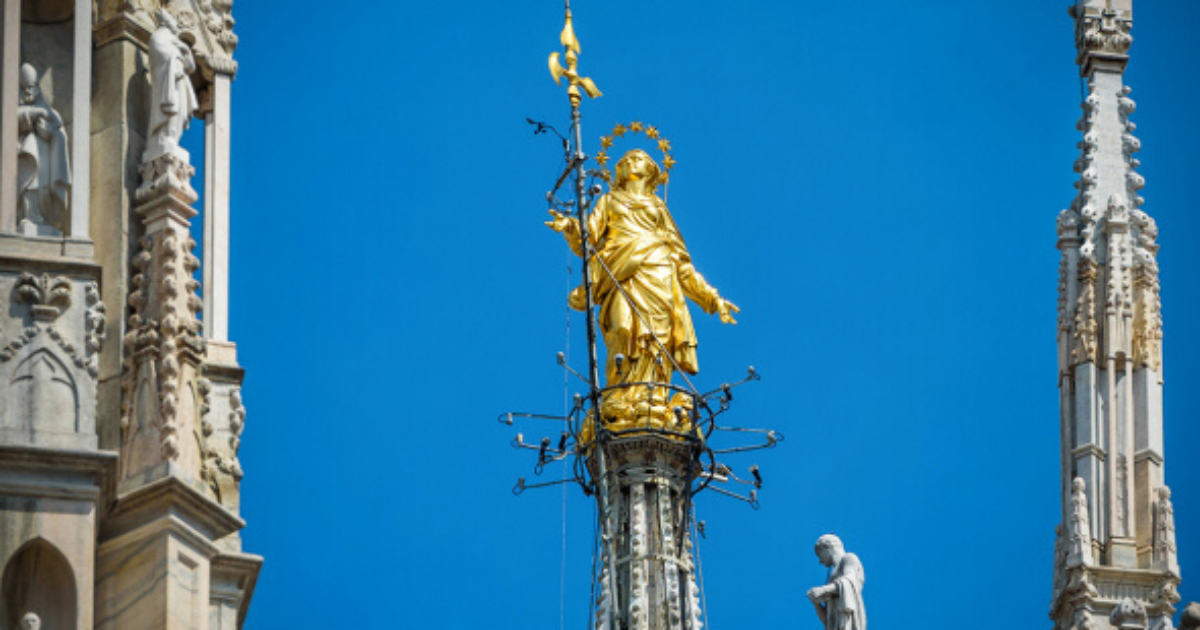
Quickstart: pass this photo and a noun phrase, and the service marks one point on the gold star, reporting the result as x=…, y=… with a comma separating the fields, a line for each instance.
x=635, y=127
x=602, y=159
x=652, y=133
x=668, y=162
x=606, y=142
x=664, y=145
x=619, y=130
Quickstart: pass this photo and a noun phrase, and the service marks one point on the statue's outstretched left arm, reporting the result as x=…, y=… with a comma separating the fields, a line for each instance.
x=697, y=289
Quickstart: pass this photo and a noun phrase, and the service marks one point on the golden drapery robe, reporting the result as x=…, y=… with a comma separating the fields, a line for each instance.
x=640, y=279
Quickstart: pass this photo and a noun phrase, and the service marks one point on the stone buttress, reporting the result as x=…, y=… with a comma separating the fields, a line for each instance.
x=120, y=395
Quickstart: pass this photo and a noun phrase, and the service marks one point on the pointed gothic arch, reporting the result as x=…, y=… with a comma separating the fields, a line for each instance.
x=43, y=396
x=38, y=578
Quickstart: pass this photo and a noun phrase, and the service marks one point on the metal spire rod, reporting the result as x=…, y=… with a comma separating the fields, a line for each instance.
x=578, y=159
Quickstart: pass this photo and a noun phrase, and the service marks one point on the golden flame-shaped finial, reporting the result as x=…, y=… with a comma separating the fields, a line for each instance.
x=574, y=81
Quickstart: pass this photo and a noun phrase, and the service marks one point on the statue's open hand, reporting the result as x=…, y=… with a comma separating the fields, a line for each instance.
x=818, y=593
x=560, y=223
x=725, y=309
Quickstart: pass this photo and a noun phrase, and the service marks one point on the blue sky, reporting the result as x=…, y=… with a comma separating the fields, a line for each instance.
x=874, y=183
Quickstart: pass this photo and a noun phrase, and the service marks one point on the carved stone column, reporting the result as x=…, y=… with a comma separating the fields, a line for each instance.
x=10, y=64
x=216, y=211
x=81, y=135
x=161, y=408
x=119, y=119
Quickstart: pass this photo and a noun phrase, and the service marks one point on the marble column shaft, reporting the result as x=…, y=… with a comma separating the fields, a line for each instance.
x=81, y=152
x=10, y=64
x=216, y=212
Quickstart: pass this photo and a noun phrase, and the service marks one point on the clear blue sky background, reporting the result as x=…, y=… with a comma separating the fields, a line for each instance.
x=875, y=183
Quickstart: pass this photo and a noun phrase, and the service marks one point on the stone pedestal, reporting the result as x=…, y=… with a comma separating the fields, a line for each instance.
x=155, y=561
x=648, y=579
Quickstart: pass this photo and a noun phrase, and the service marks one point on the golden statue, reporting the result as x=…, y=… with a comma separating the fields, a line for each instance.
x=640, y=275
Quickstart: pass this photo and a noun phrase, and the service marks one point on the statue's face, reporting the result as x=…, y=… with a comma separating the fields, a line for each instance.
x=636, y=166
x=639, y=165
x=31, y=622
x=29, y=94
x=825, y=555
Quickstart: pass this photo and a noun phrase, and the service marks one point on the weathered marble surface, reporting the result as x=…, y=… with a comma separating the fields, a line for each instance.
x=51, y=335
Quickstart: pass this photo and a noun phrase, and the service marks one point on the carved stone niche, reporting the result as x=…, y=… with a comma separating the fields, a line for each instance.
x=47, y=11
x=50, y=336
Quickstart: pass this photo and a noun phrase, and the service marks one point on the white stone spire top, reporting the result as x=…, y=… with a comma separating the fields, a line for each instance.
x=1117, y=562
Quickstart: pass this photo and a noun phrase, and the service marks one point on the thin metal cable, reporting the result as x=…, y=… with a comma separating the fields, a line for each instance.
x=562, y=577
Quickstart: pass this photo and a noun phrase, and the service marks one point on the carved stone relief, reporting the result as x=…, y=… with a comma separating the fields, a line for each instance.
x=46, y=384
x=1130, y=614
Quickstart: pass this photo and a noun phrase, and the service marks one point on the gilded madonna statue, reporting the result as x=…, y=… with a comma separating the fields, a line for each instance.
x=641, y=275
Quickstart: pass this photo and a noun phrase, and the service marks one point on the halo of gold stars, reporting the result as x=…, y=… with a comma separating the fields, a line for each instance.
x=635, y=127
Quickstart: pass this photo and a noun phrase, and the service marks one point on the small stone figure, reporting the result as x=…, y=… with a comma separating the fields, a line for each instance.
x=839, y=603
x=174, y=99
x=43, y=170
x=31, y=622
x=1164, y=532
x=1080, y=548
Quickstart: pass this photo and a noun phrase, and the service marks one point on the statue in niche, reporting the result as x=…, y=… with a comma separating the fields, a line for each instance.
x=31, y=621
x=43, y=169
x=1080, y=548
x=1164, y=531
x=839, y=602
x=174, y=98
x=641, y=275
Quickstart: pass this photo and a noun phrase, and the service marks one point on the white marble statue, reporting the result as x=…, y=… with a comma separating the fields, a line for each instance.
x=43, y=170
x=31, y=622
x=174, y=99
x=1164, y=531
x=839, y=602
x=1079, y=551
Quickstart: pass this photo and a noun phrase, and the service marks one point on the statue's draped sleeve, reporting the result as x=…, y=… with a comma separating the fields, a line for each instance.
x=695, y=287
x=851, y=615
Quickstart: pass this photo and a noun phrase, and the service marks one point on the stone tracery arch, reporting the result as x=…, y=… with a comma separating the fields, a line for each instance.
x=38, y=578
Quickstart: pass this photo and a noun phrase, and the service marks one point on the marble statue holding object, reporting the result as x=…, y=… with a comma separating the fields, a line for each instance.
x=174, y=98
x=839, y=602
x=31, y=622
x=43, y=169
